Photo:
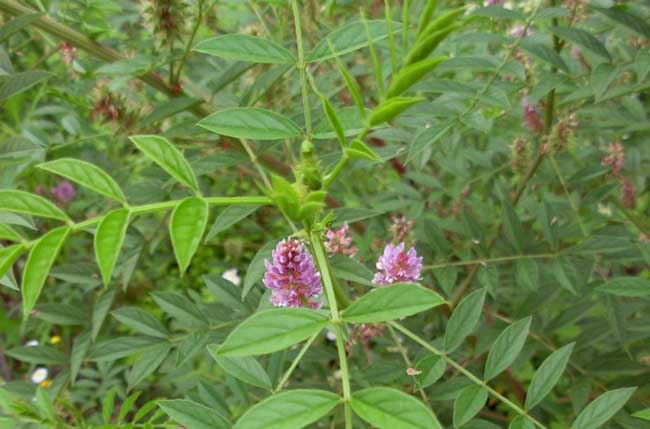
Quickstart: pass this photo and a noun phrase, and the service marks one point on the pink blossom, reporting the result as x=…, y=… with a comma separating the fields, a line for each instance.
x=401, y=228
x=64, y=191
x=615, y=158
x=532, y=116
x=340, y=241
x=519, y=31
x=398, y=265
x=292, y=276
x=492, y=2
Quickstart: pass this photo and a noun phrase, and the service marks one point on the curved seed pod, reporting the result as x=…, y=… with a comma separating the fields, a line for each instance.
x=441, y=22
x=425, y=46
x=391, y=108
x=410, y=75
x=427, y=12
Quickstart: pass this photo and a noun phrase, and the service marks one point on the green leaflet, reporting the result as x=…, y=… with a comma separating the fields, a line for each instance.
x=39, y=263
x=168, y=157
x=411, y=74
x=464, y=319
x=391, y=302
x=86, y=174
x=506, y=348
x=272, y=330
x=245, y=368
x=193, y=415
x=9, y=255
x=109, y=237
x=293, y=409
x=387, y=408
x=250, y=123
x=186, y=228
x=26, y=203
x=244, y=47
x=548, y=375
x=390, y=108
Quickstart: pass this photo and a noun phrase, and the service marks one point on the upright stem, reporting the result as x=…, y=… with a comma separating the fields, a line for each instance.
x=302, y=67
x=321, y=260
x=190, y=42
x=345, y=376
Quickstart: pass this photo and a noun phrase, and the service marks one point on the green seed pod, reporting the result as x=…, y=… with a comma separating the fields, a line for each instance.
x=425, y=46
x=410, y=75
x=391, y=108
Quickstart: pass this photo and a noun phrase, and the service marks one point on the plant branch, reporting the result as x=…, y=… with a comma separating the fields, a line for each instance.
x=467, y=374
x=295, y=362
x=163, y=206
x=302, y=67
x=485, y=262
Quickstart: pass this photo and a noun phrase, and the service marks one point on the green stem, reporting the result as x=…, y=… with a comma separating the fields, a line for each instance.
x=405, y=28
x=391, y=37
x=490, y=260
x=301, y=67
x=408, y=362
x=188, y=47
x=565, y=188
x=467, y=374
x=295, y=362
x=345, y=376
x=336, y=171
x=321, y=261
x=328, y=284
x=166, y=205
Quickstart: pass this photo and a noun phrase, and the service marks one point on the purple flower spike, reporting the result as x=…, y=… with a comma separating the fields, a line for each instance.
x=398, y=265
x=292, y=276
x=64, y=191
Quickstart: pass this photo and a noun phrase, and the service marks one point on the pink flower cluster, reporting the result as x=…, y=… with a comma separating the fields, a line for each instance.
x=397, y=264
x=292, y=276
x=340, y=242
x=64, y=192
x=532, y=116
x=615, y=158
x=401, y=228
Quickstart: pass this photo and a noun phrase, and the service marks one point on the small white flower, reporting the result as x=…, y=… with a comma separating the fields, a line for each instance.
x=39, y=375
x=232, y=276
x=31, y=343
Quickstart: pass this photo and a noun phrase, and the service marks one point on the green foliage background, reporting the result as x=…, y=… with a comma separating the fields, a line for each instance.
x=502, y=145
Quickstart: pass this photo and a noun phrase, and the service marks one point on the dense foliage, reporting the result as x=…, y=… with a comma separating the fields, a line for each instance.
x=277, y=214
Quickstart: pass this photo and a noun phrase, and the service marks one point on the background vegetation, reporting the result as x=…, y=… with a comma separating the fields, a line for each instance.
x=504, y=141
